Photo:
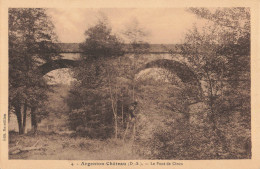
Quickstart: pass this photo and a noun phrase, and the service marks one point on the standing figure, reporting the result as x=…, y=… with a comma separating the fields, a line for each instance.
x=131, y=118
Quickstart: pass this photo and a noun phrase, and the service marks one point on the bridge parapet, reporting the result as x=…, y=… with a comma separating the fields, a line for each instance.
x=153, y=48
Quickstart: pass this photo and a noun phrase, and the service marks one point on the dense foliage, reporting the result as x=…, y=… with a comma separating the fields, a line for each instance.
x=99, y=92
x=30, y=44
x=219, y=54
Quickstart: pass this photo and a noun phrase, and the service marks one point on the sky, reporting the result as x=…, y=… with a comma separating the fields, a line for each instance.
x=163, y=25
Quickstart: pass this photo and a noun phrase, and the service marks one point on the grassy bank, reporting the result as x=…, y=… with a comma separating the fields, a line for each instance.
x=64, y=147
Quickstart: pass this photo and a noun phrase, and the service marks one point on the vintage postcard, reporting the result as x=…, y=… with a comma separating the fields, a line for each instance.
x=129, y=84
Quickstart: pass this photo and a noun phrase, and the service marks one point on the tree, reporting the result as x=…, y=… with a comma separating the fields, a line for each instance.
x=233, y=27
x=220, y=55
x=30, y=44
x=97, y=80
x=136, y=37
x=100, y=43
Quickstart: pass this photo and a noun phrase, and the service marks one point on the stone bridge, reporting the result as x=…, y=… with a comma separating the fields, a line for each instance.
x=157, y=56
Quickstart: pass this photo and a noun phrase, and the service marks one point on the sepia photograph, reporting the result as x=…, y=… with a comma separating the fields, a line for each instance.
x=129, y=83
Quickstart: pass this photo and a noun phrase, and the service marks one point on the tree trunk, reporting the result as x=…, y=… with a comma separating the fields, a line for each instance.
x=127, y=126
x=116, y=133
x=113, y=105
x=221, y=139
x=122, y=107
x=133, y=91
x=34, y=120
x=19, y=118
x=24, y=116
x=210, y=93
x=133, y=135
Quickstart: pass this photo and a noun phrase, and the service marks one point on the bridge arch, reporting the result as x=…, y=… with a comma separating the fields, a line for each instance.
x=180, y=69
x=56, y=64
x=183, y=72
